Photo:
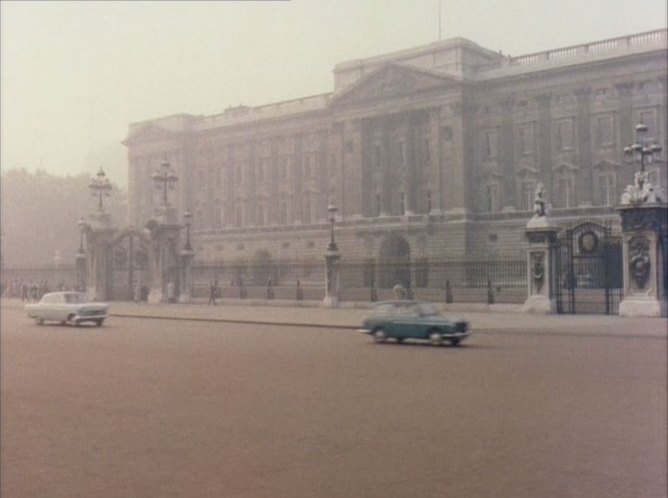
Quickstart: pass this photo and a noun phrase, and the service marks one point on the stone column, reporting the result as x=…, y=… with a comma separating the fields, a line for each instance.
x=541, y=284
x=644, y=257
x=164, y=259
x=99, y=234
x=332, y=278
x=186, y=280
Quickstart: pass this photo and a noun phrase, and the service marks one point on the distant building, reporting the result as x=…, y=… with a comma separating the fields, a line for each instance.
x=428, y=153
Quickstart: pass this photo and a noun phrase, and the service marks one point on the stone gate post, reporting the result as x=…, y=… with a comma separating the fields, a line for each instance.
x=644, y=242
x=164, y=257
x=541, y=272
x=99, y=234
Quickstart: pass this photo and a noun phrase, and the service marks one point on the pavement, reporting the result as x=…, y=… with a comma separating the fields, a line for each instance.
x=350, y=316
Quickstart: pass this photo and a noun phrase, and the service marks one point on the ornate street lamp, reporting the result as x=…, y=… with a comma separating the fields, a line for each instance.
x=100, y=186
x=164, y=179
x=332, y=209
x=643, y=151
x=82, y=227
x=188, y=217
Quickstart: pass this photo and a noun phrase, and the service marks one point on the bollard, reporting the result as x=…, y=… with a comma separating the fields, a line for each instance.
x=448, y=292
x=300, y=292
x=490, y=293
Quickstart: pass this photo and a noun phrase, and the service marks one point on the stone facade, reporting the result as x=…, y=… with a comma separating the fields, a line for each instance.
x=440, y=146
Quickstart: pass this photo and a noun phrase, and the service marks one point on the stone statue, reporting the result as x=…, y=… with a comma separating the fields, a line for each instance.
x=539, y=201
x=642, y=191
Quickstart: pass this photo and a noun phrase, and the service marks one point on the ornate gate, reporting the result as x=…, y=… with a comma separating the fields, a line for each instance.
x=589, y=269
x=129, y=264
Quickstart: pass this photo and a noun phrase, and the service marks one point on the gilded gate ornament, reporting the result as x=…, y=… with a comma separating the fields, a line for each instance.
x=538, y=268
x=639, y=264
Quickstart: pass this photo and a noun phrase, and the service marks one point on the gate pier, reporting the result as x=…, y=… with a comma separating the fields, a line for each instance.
x=541, y=286
x=644, y=249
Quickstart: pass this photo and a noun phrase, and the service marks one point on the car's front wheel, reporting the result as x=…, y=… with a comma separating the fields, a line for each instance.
x=379, y=335
x=39, y=321
x=99, y=322
x=455, y=342
x=435, y=338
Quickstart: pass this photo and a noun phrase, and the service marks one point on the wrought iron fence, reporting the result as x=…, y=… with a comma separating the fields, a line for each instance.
x=452, y=281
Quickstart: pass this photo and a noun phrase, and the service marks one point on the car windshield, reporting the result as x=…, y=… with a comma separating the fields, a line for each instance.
x=75, y=297
x=426, y=309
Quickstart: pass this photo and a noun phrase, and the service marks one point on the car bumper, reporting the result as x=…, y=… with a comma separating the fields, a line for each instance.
x=88, y=318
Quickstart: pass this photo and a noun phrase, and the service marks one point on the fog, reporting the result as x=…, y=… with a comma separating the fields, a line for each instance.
x=75, y=74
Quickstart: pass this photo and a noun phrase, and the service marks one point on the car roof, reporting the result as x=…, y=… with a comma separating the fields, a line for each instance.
x=400, y=302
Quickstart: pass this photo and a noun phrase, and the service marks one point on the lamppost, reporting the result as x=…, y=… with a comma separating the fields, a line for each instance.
x=82, y=227
x=188, y=217
x=644, y=226
x=100, y=186
x=643, y=151
x=187, y=254
x=165, y=179
x=332, y=209
x=332, y=257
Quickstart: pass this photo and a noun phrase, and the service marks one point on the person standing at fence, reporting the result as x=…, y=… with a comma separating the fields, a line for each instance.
x=171, y=298
x=213, y=292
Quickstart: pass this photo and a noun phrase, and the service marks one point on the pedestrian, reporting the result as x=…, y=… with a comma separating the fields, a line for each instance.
x=170, y=293
x=213, y=292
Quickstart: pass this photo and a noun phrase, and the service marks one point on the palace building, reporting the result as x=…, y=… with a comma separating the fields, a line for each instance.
x=428, y=153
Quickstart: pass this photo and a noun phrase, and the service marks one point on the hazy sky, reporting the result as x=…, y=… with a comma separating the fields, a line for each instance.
x=75, y=74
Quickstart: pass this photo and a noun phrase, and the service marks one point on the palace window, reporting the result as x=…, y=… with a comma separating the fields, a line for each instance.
x=376, y=157
x=378, y=206
x=260, y=215
x=565, y=135
x=607, y=189
x=239, y=216
x=283, y=213
x=402, y=203
x=489, y=145
x=491, y=202
x=604, y=132
x=527, y=192
x=566, y=192
x=428, y=201
x=427, y=150
x=648, y=118
x=526, y=139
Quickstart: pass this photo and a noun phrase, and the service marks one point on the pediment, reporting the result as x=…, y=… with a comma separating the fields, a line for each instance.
x=391, y=81
x=606, y=165
x=565, y=168
x=148, y=133
x=527, y=172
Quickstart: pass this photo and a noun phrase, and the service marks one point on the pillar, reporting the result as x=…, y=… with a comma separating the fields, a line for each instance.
x=644, y=259
x=541, y=236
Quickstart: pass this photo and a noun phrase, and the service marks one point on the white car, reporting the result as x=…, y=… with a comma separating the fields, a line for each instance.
x=67, y=307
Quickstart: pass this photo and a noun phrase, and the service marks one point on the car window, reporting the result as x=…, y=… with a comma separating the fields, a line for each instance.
x=426, y=309
x=75, y=298
x=384, y=309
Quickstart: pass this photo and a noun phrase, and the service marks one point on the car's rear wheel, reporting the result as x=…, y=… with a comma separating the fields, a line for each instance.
x=39, y=321
x=379, y=335
x=455, y=342
x=435, y=338
x=99, y=323
x=71, y=321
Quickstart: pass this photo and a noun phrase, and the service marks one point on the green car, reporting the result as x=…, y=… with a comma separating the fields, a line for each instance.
x=413, y=320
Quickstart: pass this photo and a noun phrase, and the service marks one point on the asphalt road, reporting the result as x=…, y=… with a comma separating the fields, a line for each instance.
x=161, y=408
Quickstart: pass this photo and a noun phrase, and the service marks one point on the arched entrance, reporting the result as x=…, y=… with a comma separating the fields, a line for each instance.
x=262, y=268
x=394, y=262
